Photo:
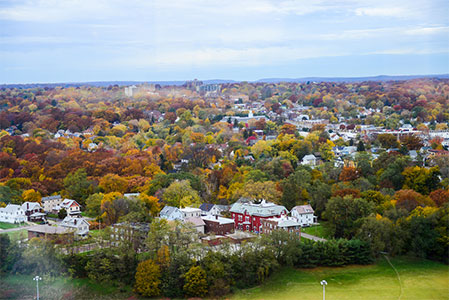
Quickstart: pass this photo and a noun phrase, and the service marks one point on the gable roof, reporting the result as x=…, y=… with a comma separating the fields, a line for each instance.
x=264, y=209
x=68, y=203
x=10, y=208
x=206, y=206
x=49, y=198
x=73, y=222
x=30, y=205
x=196, y=221
x=168, y=210
x=303, y=209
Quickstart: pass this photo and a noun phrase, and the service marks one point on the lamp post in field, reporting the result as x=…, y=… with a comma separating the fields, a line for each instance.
x=324, y=283
x=37, y=278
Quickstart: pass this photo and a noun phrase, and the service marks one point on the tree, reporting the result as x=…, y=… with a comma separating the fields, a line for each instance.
x=295, y=188
x=78, y=186
x=258, y=190
x=412, y=142
x=421, y=179
x=31, y=196
x=388, y=140
x=343, y=213
x=180, y=193
x=349, y=174
x=113, y=183
x=195, y=282
x=410, y=199
x=93, y=204
x=148, y=278
x=360, y=146
x=62, y=213
x=440, y=197
x=150, y=204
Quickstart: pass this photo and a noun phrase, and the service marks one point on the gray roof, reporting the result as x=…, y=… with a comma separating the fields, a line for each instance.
x=284, y=222
x=264, y=209
x=196, y=221
x=50, y=229
x=303, y=209
x=220, y=220
x=10, y=208
x=57, y=197
x=73, y=222
x=168, y=210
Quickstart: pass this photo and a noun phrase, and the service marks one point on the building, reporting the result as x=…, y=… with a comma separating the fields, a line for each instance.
x=197, y=223
x=304, y=215
x=33, y=211
x=135, y=233
x=71, y=206
x=13, y=214
x=218, y=225
x=286, y=223
x=48, y=203
x=309, y=160
x=58, y=234
x=80, y=225
x=208, y=209
x=190, y=212
x=247, y=215
x=171, y=213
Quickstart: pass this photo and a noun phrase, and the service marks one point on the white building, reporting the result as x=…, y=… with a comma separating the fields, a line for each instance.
x=51, y=201
x=309, y=160
x=304, y=215
x=71, y=206
x=79, y=224
x=171, y=213
x=189, y=212
x=12, y=213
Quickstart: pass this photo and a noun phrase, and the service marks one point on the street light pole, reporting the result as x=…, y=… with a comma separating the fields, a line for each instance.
x=324, y=283
x=37, y=278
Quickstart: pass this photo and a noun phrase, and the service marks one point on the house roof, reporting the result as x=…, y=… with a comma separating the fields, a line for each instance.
x=168, y=210
x=196, y=221
x=264, y=209
x=190, y=209
x=50, y=229
x=285, y=222
x=68, y=203
x=206, y=206
x=303, y=209
x=73, y=222
x=10, y=208
x=217, y=219
x=31, y=205
x=57, y=197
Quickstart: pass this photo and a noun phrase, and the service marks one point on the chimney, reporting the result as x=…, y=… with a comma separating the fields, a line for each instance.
x=75, y=221
x=216, y=217
x=28, y=206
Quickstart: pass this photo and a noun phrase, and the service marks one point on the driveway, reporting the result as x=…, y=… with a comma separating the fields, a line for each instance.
x=312, y=237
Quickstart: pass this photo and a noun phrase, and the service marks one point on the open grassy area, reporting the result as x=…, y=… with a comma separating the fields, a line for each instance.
x=23, y=287
x=4, y=225
x=16, y=235
x=317, y=230
x=420, y=280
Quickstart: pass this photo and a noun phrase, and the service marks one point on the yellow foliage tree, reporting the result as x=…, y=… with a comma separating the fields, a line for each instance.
x=195, y=282
x=31, y=196
x=148, y=276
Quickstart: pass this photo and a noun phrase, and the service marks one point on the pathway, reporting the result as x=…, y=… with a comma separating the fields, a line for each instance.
x=312, y=237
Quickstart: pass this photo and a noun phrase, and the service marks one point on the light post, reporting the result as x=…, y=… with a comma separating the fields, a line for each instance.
x=324, y=283
x=37, y=278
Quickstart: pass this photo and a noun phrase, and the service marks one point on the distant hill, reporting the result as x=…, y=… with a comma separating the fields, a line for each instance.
x=221, y=81
x=351, y=79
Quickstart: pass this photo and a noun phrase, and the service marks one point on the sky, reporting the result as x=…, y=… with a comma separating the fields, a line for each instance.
x=44, y=41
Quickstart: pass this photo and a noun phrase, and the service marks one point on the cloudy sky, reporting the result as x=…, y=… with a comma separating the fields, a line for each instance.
x=99, y=40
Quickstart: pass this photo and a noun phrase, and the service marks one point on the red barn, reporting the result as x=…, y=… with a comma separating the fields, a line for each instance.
x=247, y=215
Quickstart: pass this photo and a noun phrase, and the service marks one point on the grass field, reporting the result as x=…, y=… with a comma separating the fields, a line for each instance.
x=318, y=230
x=420, y=280
x=23, y=287
x=4, y=225
x=16, y=235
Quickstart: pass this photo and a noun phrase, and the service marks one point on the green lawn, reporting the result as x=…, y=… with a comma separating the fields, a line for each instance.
x=420, y=280
x=4, y=225
x=23, y=287
x=317, y=230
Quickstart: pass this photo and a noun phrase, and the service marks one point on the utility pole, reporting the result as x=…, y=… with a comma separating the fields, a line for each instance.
x=37, y=278
x=324, y=283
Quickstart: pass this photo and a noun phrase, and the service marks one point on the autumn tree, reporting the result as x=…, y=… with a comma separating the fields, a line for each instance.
x=440, y=197
x=148, y=278
x=349, y=174
x=195, y=282
x=113, y=183
x=388, y=140
x=181, y=194
x=421, y=179
x=410, y=199
x=31, y=196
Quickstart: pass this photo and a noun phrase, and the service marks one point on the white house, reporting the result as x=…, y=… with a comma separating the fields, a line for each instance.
x=309, y=160
x=71, y=206
x=12, y=213
x=171, y=213
x=304, y=215
x=33, y=211
x=190, y=212
x=51, y=201
x=79, y=224
x=208, y=209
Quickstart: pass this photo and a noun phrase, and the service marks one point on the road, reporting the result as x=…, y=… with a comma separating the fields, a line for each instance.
x=312, y=237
